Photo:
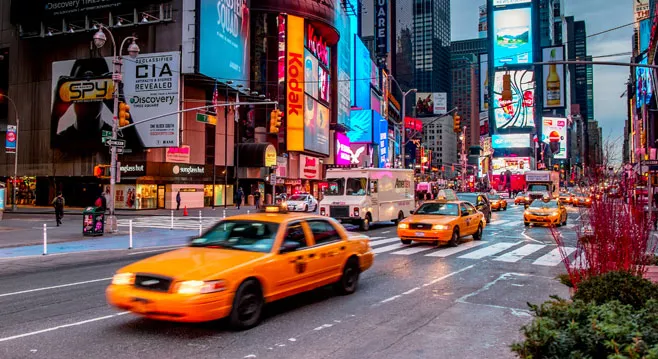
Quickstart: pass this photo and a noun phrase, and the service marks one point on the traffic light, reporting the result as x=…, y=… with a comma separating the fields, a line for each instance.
x=506, y=95
x=275, y=120
x=456, y=123
x=124, y=115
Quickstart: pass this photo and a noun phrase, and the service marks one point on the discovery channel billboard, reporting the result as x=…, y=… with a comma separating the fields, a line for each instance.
x=519, y=113
x=512, y=32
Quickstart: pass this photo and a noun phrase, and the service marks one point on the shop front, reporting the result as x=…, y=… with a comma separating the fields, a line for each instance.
x=255, y=166
x=310, y=173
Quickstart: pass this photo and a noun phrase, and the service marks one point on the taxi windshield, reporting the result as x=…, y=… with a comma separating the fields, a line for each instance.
x=538, y=204
x=335, y=187
x=494, y=197
x=252, y=236
x=297, y=197
x=441, y=209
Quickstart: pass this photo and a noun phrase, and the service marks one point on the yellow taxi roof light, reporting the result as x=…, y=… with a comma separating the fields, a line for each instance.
x=274, y=209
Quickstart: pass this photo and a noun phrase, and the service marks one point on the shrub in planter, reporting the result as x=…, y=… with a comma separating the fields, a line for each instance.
x=564, y=329
x=623, y=286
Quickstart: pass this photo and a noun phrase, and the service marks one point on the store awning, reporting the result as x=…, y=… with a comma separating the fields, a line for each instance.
x=256, y=155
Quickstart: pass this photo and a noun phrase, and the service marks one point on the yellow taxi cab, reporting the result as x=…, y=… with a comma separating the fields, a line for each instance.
x=239, y=265
x=497, y=202
x=444, y=220
x=546, y=211
x=580, y=199
x=566, y=197
x=522, y=199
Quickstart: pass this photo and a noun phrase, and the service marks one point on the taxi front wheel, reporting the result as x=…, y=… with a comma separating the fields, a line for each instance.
x=454, y=240
x=349, y=280
x=247, y=305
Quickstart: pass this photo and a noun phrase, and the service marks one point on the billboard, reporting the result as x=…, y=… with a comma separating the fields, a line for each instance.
x=509, y=2
x=311, y=73
x=316, y=126
x=381, y=27
x=361, y=126
x=643, y=88
x=641, y=10
x=82, y=101
x=554, y=78
x=428, y=104
x=343, y=152
x=294, y=83
x=362, y=69
x=344, y=60
x=516, y=165
x=510, y=141
x=381, y=139
x=554, y=133
x=512, y=32
x=484, y=82
x=519, y=113
x=644, y=34
x=224, y=40
x=482, y=22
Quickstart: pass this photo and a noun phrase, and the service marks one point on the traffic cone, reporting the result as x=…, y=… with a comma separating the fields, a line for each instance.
x=185, y=211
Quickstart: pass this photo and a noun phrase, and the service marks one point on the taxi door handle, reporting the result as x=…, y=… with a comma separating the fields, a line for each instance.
x=311, y=255
x=342, y=248
x=331, y=254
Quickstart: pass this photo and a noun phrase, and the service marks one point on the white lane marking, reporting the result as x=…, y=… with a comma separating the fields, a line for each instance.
x=553, y=257
x=384, y=241
x=512, y=224
x=489, y=251
x=373, y=238
x=413, y=250
x=386, y=232
x=450, y=251
x=498, y=223
x=61, y=327
x=55, y=287
x=392, y=247
x=157, y=250
x=517, y=254
x=391, y=298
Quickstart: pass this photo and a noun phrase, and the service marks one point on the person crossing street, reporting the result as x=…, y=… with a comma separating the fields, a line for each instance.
x=58, y=202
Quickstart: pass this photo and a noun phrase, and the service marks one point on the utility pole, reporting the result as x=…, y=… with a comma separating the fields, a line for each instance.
x=464, y=158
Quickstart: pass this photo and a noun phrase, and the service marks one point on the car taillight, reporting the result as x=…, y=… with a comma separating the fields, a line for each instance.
x=323, y=212
x=356, y=211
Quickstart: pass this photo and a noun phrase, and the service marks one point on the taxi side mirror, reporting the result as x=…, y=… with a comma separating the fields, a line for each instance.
x=464, y=213
x=288, y=247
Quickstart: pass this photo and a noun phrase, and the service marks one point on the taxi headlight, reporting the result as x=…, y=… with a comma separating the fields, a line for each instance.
x=556, y=213
x=403, y=226
x=200, y=287
x=440, y=227
x=123, y=279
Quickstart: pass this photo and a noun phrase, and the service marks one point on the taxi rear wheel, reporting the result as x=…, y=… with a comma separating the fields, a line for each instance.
x=454, y=240
x=349, y=281
x=247, y=305
x=405, y=241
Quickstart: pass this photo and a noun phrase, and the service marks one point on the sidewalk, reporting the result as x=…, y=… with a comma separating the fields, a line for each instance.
x=207, y=211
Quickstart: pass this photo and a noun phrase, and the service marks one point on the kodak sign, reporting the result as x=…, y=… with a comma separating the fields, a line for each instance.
x=295, y=84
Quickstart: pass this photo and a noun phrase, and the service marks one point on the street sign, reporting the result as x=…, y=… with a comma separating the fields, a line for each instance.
x=273, y=179
x=209, y=119
x=119, y=150
x=116, y=143
x=650, y=162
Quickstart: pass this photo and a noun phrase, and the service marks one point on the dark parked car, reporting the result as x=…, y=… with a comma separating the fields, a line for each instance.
x=479, y=200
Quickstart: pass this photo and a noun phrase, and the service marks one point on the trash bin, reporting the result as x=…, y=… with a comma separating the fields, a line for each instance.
x=93, y=221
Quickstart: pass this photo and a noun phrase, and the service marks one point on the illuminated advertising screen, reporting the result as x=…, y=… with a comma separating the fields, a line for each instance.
x=553, y=78
x=512, y=32
x=430, y=104
x=509, y=2
x=311, y=72
x=510, y=141
x=519, y=113
x=516, y=165
x=295, y=84
x=323, y=84
x=361, y=126
x=484, y=82
x=362, y=69
x=381, y=139
x=316, y=126
x=224, y=40
x=343, y=152
x=554, y=133
x=344, y=60
x=643, y=86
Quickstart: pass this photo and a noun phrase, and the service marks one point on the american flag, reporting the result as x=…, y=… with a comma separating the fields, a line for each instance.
x=215, y=99
x=535, y=138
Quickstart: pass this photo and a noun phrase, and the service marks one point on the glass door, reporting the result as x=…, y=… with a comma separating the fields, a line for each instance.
x=161, y=196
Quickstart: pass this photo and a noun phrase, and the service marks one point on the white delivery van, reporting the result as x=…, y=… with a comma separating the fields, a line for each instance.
x=540, y=184
x=366, y=195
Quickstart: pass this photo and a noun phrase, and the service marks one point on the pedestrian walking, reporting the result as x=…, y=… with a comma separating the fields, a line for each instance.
x=178, y=201
x=101, y=202
x=58, y=203
x=257, y=199
x=239, y=196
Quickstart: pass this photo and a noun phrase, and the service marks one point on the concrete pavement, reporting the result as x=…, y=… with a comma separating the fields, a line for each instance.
x=409, y=305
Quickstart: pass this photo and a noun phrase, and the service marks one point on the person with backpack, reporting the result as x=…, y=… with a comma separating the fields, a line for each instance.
x=58, y=203
x=101, y=202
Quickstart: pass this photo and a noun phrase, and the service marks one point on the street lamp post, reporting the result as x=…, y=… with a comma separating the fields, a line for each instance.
x=404, y=108
x=14, y=188
x=133, y=51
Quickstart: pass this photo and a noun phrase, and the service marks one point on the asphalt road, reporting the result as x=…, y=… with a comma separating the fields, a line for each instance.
x=416, y=302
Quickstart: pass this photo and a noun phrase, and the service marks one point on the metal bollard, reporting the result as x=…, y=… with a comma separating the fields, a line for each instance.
x=200, y=216
x=130, y=235
x=172, y=219
x=224, y=214
x=248, y=212
x=200, y=229
x=45, y=239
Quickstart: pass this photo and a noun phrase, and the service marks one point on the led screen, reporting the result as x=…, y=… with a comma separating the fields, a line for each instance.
x=362, y=69
x=519, y=113
x=510, y=141
x=311, y=73
x=360, y=126
x=554, y=133
x=643, y=86
x=512, y=37
x=553, y=78
x=516, y=165
x=316, y=126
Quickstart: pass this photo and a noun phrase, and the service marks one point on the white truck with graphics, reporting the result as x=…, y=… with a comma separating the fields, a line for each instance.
x=540, y=184
x=366, y=195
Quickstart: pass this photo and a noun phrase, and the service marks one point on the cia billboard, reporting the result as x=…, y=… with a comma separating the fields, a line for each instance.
x=82, y=102
x=554, y=133
x=224, y=40
x=554, y=82
x=512, y=36
x=518, y=113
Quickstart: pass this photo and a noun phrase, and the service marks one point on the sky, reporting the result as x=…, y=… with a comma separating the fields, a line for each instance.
x=609, y=81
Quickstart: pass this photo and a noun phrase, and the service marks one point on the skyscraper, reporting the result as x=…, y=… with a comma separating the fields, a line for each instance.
x=546, y=22
x=465, y=54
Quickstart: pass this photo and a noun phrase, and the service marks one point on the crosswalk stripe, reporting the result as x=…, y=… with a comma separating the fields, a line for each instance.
x=517, y=254
x=512, y=224
x=490, y=250
x=392, y=247
x=383, y=241
x=580, y=261
x=498, y=223
x=450, y=251
x=414, y=250
x=372, y=238
x=553, y=257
